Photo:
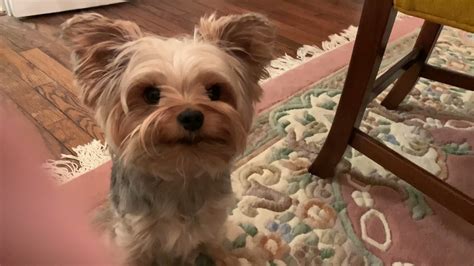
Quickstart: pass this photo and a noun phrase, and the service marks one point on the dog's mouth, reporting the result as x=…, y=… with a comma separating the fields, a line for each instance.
x=196, y=139
x=190, y=140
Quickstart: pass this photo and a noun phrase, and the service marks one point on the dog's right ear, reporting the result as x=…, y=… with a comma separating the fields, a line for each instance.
x=248, y=37
x=95, y=41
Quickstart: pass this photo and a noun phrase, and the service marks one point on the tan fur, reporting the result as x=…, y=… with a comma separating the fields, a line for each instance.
x=114, y=63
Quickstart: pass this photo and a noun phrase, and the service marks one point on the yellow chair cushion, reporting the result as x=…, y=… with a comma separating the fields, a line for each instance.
x=455, y=13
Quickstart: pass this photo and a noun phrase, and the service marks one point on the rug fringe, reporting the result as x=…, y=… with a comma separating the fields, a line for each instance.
x=308, y=52
x=89, y=156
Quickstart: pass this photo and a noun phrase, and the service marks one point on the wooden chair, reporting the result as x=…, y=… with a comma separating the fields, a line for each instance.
x=362, y=86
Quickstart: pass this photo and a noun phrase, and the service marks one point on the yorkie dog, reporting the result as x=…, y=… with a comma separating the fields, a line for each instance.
x=175, y=112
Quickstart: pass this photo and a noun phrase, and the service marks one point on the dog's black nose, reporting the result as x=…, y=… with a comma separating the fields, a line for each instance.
x=191, y=120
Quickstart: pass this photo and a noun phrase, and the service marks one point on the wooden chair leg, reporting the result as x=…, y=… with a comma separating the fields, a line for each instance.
x=378, y=17
x=425, y=42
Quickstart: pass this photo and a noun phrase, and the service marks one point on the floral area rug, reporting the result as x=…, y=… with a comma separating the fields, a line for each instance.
x=366, y=216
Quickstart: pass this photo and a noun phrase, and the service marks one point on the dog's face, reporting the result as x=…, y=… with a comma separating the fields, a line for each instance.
x=178, y=105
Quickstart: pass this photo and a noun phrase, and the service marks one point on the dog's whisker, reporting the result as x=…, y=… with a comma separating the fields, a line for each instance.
x=130, y=135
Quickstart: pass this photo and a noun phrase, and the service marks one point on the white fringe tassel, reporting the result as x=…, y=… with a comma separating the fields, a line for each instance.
x=89, y=156
x=308, y=52
x=92, y=155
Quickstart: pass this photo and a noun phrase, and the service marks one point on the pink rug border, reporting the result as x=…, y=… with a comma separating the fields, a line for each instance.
x=287, y=84
x=92, y=187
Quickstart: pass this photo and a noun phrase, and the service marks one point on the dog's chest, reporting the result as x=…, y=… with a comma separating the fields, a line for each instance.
x=176, y=217
x=174, y=235
x=134, y=193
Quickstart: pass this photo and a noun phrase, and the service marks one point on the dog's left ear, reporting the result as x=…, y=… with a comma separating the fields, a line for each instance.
x=248, y=37
x=88, y=30
x=95, y=41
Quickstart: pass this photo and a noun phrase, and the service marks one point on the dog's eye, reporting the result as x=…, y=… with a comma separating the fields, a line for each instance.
x=151, y=95
x=214, y=92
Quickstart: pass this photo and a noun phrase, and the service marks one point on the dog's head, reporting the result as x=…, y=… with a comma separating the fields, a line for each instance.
x=172, y=105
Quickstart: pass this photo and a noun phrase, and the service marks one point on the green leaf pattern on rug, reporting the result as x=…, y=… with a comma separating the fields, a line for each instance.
x=286, y=217
x=327, y=253
x=416, y=201
x=240, y=241
x=312, y=240
x=249, y=229
x=293, y=188
x=458, y=149
x=278, y=154
x=327, y=105
x=299, y=229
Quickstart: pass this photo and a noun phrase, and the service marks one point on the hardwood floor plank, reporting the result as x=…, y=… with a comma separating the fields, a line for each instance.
x=69, y=133
x=147, y=19
x=25, y=35
x=29, y=100
x=144, y=22
x=52, y=68
x=66, y=100
x=22, y=68
x=193, y=9
x=53, y=145
x=41, y=110
x=71, y=107
x=18, y=34
x=161, y=16
x=173, y=10
x=222, y=7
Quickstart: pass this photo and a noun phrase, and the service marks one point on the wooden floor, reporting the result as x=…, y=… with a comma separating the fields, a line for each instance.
x=35, y=69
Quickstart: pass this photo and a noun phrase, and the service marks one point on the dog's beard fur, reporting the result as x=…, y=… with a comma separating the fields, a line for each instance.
x=115, y=63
